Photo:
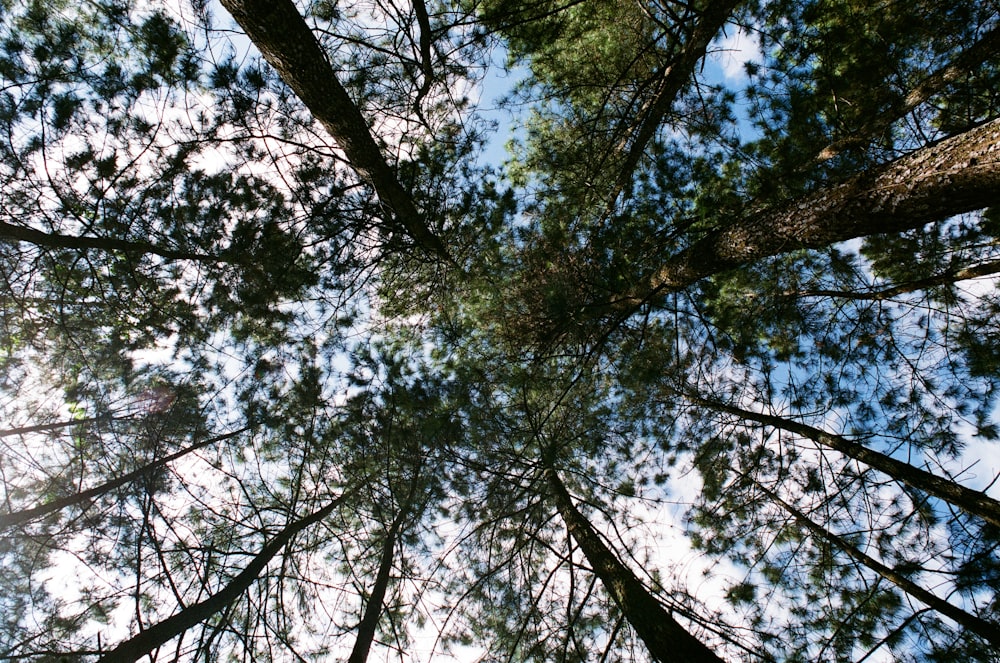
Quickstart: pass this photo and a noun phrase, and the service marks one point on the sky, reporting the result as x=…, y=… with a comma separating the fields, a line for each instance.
x=726, y=64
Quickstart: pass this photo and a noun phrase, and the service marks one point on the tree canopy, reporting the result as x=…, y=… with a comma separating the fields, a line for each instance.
x=300, y=364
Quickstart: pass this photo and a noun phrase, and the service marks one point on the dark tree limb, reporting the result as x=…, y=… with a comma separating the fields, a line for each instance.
x=26, y=515
x=986, y=630
x=280, y=33
x=673, y=78
x=968, y=61
x=947, y=277
x=159, y=634
x=40, y=428
x=666, y=639
x=374, y=607
x=971, y=501
x=10, y=233
x=426, y=63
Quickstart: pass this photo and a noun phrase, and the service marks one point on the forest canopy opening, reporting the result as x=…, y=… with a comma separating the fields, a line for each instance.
x=294, y=367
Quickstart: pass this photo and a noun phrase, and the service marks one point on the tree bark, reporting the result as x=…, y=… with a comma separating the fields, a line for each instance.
x=986, y=630
x=11, y=233
x=956, y=175
x=287, y=43
x=373, y=610
x=666, y=639
x=159, y=634
x=970, y=501
x=25, y=515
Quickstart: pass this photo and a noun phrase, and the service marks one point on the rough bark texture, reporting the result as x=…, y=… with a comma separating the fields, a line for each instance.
x=146, y=641
x=986, y=630
x=25, y=515
x=287, y=43
x=970, y=501
x=959, y=174
x=666, y=639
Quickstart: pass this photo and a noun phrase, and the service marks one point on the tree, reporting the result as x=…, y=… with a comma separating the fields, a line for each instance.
x=752, y=313
x=666, y=639
x=155, y=636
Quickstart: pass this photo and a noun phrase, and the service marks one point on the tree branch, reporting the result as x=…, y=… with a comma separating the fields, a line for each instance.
x=159, y=634
x=33, y=513
x=956, y=175
x=672, y=79
x=10, y=233
x=966, y=62
x=946, y=277
x=986, y=630
x=287, y=43
x=970, y=501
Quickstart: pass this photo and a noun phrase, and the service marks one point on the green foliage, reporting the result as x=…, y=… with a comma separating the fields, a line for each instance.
x=190, y=266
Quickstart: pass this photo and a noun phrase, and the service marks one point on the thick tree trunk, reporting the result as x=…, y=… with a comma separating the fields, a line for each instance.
x=971, y=501
x=287, y=43
x=666, y=639
x=25, y=515
x=956, y=175
x=986, y=630
x=159, y=634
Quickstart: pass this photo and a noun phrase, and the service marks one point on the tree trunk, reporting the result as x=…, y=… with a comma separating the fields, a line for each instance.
x=986, y=630
x=673, y=78
x=373, y=610
x=666, y=640
x=970, y=501
x=159, y=634
x=25, y=515
x=287, y=43
x=956, y=175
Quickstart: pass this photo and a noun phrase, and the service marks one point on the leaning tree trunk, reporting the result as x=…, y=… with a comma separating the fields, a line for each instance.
x=986, y=630
x=373, y=610
x=673, y=77
x=35, y=512
x=666, y=639
x=159, y=634
x=956, y=175
x=14, y=234
x=277, y=28
x=971, y=501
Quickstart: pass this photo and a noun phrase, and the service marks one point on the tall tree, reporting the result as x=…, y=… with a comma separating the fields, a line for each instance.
x=666, y=639
x=732, y=245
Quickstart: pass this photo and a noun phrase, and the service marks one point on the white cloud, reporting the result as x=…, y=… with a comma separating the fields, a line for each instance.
x=732, y=51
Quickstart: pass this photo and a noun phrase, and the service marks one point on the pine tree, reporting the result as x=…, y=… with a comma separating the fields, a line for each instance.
x=469, y=398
